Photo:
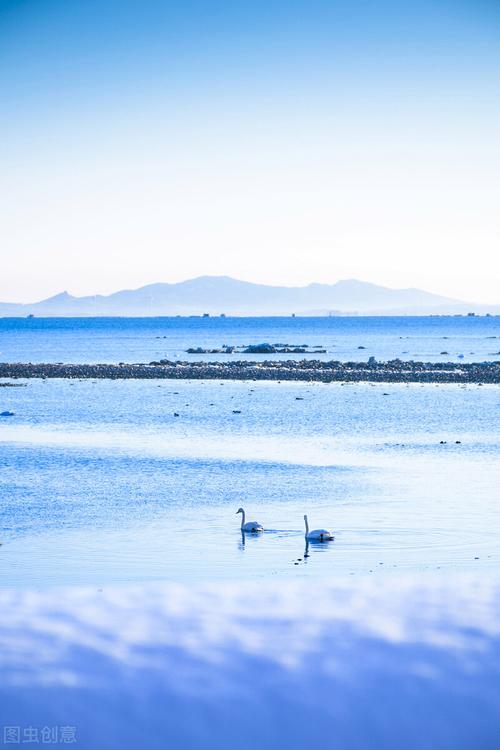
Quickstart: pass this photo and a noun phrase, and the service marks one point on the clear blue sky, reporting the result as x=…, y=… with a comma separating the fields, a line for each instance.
x=281, y=142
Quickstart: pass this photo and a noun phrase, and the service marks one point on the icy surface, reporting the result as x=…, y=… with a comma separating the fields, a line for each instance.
x=410, y=664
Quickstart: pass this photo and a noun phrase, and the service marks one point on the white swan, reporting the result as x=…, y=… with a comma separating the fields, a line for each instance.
x=251, y=526
x=319, y=535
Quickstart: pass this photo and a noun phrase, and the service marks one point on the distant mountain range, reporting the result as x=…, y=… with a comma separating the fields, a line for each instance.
x=222, y=295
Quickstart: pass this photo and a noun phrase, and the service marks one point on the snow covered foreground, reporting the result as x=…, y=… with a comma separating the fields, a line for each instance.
x=379, y=663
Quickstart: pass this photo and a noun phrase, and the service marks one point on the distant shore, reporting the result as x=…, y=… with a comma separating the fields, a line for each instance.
x=393, y=371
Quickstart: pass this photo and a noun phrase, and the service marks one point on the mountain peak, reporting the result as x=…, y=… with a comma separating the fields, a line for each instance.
x=61, y=297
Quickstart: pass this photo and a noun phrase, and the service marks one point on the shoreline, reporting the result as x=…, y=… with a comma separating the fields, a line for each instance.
x=393, y=371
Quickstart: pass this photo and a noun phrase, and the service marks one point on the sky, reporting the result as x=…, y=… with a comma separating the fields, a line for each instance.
x=277, y=141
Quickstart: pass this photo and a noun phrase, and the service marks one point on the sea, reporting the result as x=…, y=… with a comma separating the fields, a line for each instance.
x=107, y=340
x=117, y=482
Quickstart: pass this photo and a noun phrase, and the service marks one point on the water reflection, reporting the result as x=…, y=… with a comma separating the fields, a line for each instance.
x=245, y=537
x=314, y=544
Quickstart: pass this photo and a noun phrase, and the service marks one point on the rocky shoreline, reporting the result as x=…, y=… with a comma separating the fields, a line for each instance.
x=394, y=371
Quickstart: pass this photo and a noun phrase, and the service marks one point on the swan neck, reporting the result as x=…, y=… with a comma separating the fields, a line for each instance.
x=307, y=525
x=242, y=518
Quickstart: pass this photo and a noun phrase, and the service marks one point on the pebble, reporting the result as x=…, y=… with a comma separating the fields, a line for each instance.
x=392, y=371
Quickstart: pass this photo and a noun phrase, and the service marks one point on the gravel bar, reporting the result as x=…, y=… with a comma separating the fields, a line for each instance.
x=394, y=371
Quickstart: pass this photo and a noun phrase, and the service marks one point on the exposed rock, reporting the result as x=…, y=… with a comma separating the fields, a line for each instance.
x=263, y=348
x=393, y=371
x=260, y=349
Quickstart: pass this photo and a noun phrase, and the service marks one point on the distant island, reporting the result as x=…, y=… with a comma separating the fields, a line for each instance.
x=222, y=295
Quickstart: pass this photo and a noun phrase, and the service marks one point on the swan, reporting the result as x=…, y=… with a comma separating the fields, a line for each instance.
x=318, y=535
x=251, y=526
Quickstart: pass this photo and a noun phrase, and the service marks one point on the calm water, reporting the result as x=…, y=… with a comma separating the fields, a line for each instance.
x=146, y=339
x=101, y=483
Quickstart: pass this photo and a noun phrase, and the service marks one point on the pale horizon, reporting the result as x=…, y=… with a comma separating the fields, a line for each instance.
x=274, y=143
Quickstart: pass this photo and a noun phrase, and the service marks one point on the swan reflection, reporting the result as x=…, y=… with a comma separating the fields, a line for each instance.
x=245, y=537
